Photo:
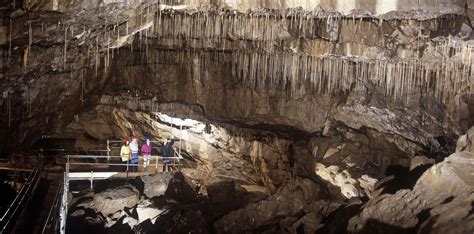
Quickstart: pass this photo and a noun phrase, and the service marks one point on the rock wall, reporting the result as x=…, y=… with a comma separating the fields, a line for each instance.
x=237, y=70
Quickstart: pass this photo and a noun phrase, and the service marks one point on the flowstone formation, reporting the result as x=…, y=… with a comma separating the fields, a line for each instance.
x=315, y=116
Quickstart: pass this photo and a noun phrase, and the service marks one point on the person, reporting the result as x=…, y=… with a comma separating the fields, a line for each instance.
x=146, y=152
x=134, y=150
x=125, y=151
x=167, y=152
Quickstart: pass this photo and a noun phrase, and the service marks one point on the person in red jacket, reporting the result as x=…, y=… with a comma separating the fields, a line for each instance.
x=146, y=152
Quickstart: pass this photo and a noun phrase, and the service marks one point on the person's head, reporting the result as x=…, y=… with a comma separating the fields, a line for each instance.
x=125, y=141
x=134, y=140
x=147, y=140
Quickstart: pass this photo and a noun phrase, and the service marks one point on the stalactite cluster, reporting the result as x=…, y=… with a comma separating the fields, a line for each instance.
x=399, y=80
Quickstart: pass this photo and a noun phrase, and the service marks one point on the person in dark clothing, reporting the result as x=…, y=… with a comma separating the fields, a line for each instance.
x=167, y=152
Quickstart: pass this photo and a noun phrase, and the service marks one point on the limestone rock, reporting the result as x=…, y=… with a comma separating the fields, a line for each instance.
x=367, y=183
x=116, y=199
x=466, y=141
x=439, y=196
x=453, y=217
x=157, y=184
x=453, y=176
x=226, y=195
x=78, y=213
x=145, y=211
x=341, y=179
x=132, y=222
x=310, y=223
x=419, y=161
x=3, y=35
x=286, y=202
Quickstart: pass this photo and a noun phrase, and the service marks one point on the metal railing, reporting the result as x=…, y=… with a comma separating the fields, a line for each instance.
x=17, y=205
x=51, y=224
x=64, y=202
x=71, y=160
x=172, y=162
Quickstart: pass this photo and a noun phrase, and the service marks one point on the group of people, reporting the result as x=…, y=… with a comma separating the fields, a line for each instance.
x=129, y=152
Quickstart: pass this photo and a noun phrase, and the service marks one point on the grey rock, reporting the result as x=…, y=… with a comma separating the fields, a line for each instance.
x=78, y=213
x=157, y=184
x=116, y=199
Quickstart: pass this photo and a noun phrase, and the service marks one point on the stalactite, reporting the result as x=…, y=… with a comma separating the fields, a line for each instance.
x=65, y=46
x=10, y=39
x=30, y=41
x=96, y=55
x=9, y=108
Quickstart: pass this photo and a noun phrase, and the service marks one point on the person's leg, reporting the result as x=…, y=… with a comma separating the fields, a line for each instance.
x=134, y=162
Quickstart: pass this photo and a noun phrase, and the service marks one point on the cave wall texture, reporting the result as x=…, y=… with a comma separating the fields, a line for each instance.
x=402, y=68
x=284, y=94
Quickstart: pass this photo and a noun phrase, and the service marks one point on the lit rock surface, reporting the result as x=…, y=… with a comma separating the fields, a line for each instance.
x=466, y=142
x=440, y=199
x=341, y=179
x=146, y=211
x=156, y=185
x=113, y=200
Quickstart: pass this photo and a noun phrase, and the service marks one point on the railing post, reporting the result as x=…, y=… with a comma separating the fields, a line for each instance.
x=108, y=151
x=127, y=167
x=180, y=138
x=92, y=179
x=156, y=163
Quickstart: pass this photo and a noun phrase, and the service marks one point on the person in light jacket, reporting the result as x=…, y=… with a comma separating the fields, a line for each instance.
x=134, y=150
x=125, y=151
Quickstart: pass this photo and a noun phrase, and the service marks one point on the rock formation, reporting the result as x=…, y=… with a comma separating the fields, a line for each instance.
x=293, y=116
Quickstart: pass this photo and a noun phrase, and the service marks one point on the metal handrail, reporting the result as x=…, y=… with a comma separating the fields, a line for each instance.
x=26, y=190
x=54, y=209
x=79, y=156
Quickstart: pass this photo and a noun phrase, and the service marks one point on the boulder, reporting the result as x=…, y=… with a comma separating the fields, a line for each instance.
x=78, y=213
x=132, y=222
x=466, y=142
x=453, y=176
x=439, y=197
x=453, y=217
x=226, y=195
x=341, y=179
x=309, y=223
x=113, y=200
x=157, y=184
x=145, y=211
x=288, y=201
